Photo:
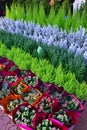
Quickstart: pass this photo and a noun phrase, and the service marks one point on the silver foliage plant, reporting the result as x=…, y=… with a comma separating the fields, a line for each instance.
x=75, y=42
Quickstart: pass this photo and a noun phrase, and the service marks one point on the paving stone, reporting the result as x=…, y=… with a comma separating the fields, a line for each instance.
x=82, y=124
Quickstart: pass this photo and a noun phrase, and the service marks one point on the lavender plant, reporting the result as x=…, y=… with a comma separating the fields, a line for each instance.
x=73, y=42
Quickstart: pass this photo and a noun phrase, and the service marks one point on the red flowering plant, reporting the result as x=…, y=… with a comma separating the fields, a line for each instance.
x=5, y=90
x=25, y=73
x=71, y=103
x=46, y=104
x=2, y=67
x=65, y=100
x=1, y=79
x=3, y=63
x=42, y=122
x=4, y=60
x=64, y=119
x=9, y=65
x=10, y=102
x=53, y=90
x=14, y=68
x=47, y=125
x=24, y=127
x=32, y=96
x=32, y=80
x=19, y=87
x=9, y=76
x=24, y=114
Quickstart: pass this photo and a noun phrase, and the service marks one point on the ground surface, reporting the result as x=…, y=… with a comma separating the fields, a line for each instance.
x=82, y=125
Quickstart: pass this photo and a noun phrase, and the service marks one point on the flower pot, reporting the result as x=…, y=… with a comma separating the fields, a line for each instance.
x=72, y=117
x=19, y=87
x=78, y=108
x=35, y=94
x=6, y=102
x=46, y=104
x=2, y=67
x=32, y=80
x=17, y=118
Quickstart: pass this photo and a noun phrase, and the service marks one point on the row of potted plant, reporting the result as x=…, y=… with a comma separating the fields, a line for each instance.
x=34, y=103
x=74, y=42
x=42, y=13
x=55, y=55
x=45, y=71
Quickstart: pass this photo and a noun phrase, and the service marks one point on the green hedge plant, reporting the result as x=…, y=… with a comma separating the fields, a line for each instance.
x=44, y=70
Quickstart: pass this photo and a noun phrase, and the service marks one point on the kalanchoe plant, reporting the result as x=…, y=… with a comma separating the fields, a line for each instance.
x=63, y=117
x=46, y=125
x=1, y=78
x=25, y=72
x=19, y=89
x=31, y=96
x=4, y=60
x=5, y=90
x=2, y=67
x=10, y=78
x=45, y=104
x=13, y=103
x=68, y=102
x=13, y=67
x=31, y=80
x=24, y=115
x=53, y=90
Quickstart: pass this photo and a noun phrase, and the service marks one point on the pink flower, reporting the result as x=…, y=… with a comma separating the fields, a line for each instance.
x=51, y=2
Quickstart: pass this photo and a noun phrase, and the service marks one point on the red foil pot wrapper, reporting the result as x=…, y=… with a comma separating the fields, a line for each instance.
x=38, y=81
x=7, y=80
x=38, y=118
x=4, y=60
x=37, y=100
x=9, y=73
x=1, y=80
x=5, y=101
x=62, y=126
x=2, y=67
x=15, y=84
x=54, y=106
x=14, y=68
x=24, y=73
x=52, y=89
x=23, y=125
x=80, y=107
